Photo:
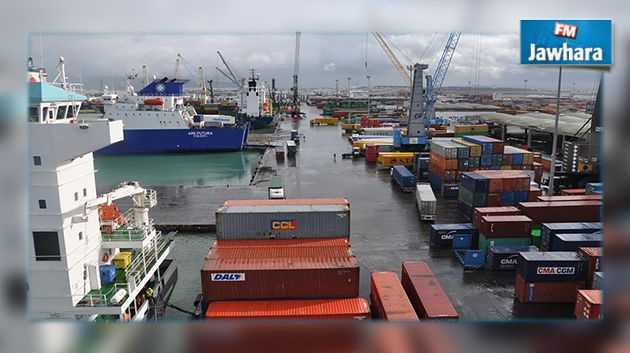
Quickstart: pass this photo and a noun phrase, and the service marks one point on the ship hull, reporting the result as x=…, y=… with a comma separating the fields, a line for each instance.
x=260, y=122
x=142, y=141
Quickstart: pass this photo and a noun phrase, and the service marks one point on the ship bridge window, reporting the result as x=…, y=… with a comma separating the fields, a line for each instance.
x=33, y=113
x=46, y=246
x=37, y=160
x=63, y=112
x=42, y=204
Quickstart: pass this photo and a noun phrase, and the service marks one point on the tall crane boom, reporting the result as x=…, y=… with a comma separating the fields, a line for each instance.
x=296, y=69
x=392, y=57
x=434, y=84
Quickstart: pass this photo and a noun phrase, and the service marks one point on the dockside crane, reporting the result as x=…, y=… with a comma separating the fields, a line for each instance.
x=238, y=81
x=296, y=68
x=392, y=57
x=434, y=84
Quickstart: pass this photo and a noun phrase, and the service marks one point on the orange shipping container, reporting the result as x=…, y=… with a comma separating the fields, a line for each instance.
x=389, y=300
x=588, y=304
x=322, y=309
x=570, y=192
x=592, y=255
x=279, y=252
x=425, y=293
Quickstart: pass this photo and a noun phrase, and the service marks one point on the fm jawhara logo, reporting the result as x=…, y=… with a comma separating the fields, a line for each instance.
x=566, y=42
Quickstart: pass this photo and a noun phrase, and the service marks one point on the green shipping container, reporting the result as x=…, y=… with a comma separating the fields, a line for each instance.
x=476, y=199
x=485, y=242
x=536, y=239
x=497, y=160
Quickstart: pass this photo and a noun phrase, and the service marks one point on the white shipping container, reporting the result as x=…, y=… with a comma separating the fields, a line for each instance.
x=426, y=202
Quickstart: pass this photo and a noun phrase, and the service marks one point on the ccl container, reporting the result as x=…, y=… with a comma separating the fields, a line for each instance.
x=562, y=211
x=505, y=226
x=547, y=230
x=280, y=278
x=425, y=293
x=321, y=309
x=284, y=219
x=389, y=300
x=551, y=266
x=546, y=292
x=404, y=178
x=426, y=202
x=598, y=280
x=588, y=304
x=575, y=241
x=505, y=257
x=479, y=212
x=570, y=198
x=485, y=242
x=442, y=234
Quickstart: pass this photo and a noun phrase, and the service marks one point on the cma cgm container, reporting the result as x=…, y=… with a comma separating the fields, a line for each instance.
x=442, y=234
x=426, y=202
x=280, y=278
x=546, y=292
x=551, y=266
x=389, y=300
x=505, y=257
x=321, y=309
x=588, y=304
x=547, y=230
x=300, y=218
x=425, y=293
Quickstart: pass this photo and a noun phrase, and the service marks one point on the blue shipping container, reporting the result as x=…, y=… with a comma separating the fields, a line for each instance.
x=575, y=241
x=548, y=229
x=551, y=266
x=520, y=196
x=403, y=176
x=594, y=188
x=107, y=273
x=442, y=234
x=449, y=190
x=486, y=160
x=505, y=257
x=474, y=182
x=435, y=181
x=506, y=198
x=517, y=158
x=465, y=209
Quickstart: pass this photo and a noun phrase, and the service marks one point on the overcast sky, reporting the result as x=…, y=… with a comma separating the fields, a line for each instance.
x=323, y=58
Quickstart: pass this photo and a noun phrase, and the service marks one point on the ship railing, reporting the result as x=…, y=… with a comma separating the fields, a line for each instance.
x=72, y=87
x=104, y=299
x=126, y=232
x=149, y=255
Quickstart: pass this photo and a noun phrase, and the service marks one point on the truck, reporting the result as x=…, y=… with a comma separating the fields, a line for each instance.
x=291, y=148
x=403, y=177
x=276, y=188
x=426, y=202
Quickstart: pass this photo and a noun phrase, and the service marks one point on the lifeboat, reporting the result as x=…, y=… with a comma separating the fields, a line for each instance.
x=154, y=101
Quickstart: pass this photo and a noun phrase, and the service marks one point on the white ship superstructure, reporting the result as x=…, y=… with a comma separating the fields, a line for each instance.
x=75, y=236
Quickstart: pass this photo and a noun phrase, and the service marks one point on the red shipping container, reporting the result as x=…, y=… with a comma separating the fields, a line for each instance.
x=562, y=211
x=588, y=304
x=533, y=194
x=493, y=200
x=505, y=226
x=389, y=300
x=593, y=256
x=280, y=278
x=279, y=252
x=570, y=198
x=285, y=243
x=497, y=147
x=546, y=292
x=425, y=293
x=322, y=309
x=478, y=212
x=573, y=192
x=288, y=202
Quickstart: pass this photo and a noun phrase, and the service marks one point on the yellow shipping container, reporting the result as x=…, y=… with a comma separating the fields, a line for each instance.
x=350, y=126
x=506, y=167
x=361, y=143
x=390, y=159
x=479, y=128
x=324, y=121
x=473, y=148
x=462, y=129
x=122, y=260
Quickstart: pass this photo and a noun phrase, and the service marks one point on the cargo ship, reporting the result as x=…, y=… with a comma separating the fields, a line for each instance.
x=88, y=261
x=156, y=120
x=257, y=107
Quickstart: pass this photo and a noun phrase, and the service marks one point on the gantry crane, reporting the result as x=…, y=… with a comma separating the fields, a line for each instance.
x=392, y=57
x=434, y=84
x=235, y=79
x=296, y=68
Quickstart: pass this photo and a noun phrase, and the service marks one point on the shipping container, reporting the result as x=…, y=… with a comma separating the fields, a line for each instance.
x=426, y=203
x=442, y=234
x=445, y=148
x=289, y=202
x=505, y=257
x=548, y=229
x=474, y=150
x=280, y=278
x=389, y=300
x=449, y=190
x=476, y=199
x=281, y=219
x=283, y=243
x=321, y=309
x=594, y=188
x=562, y=211
x=570, y=198
x=474, y=182
x=425, y=293
x=279, y=252
x=551, y=266
x=598, y=280
x=478, y=212
x=484, y=243
x=546, y=292
x=573, y=192
x=404, y=178
x=592, y=255
x=517, y=226
x=588, y=304
x=464, y=208
x=390, y=159
x=575, y=241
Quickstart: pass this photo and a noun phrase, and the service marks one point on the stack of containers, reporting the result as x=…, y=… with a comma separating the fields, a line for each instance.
x=486, y=188
x=504, y=231
x=474, y=153
x=491, y=150
x=447, y=161
x=548, y=231
x=282, y=259
x=549, y=277
x=593, y=256
x=517, y=159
